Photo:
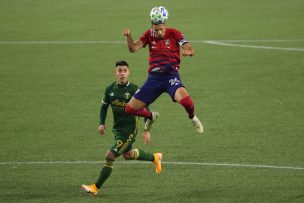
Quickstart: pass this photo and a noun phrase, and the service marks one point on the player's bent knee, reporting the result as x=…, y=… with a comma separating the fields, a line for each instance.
x=110, y=156
x=127, y=156
x=134, y=105
x=180, y=93
x=130, y=155
x=129, y=109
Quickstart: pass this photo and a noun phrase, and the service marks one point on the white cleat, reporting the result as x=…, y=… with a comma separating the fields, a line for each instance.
x=198, y=125
x=148, y=123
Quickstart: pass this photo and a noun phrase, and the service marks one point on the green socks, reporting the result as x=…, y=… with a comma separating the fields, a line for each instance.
x=143, y=155
x=104, y=173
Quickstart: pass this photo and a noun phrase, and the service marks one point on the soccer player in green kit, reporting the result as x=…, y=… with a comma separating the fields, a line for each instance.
x=125, y=127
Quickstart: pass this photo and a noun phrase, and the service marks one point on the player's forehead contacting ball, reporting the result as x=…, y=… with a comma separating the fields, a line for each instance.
x=159, y=15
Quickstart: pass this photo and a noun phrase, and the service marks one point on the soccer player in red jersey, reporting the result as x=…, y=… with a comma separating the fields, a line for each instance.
x=164, y=60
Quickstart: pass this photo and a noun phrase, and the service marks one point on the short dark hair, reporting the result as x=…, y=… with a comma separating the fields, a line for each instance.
x=122, y=63
x=157, y=23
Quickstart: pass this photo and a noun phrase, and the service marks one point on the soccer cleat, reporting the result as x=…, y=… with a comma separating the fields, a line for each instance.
x=148, y=123
x=91, y=189
x=198, y=125
x=157, y=162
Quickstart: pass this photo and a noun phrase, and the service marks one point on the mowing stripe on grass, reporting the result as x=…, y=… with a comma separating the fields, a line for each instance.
x=144, y=162
x=122, y=42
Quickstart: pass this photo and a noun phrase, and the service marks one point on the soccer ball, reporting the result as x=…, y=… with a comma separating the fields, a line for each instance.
x=159, y=15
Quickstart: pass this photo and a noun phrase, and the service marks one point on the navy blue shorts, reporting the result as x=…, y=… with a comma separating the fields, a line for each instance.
x=156, y=84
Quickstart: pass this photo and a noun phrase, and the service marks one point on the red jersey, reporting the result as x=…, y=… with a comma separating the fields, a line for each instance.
x=164, y=54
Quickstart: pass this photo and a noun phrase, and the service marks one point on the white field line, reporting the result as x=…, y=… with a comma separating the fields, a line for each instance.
x=230, y=43
x=58, y=42
x=248, y=40
x=222, y=43
x=144, y=162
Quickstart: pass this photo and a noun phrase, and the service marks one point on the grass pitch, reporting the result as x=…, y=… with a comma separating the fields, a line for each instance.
x=56, y=57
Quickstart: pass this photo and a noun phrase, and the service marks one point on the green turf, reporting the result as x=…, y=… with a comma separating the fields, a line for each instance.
x=250, y=100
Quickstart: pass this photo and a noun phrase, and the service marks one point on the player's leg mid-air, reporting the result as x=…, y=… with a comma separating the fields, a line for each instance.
x=137, y=107
x=181, y=95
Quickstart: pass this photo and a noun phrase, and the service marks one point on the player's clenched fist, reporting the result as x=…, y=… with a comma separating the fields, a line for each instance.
x=102, y=129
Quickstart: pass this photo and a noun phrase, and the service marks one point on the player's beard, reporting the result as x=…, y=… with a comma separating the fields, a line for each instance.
x=161, y=36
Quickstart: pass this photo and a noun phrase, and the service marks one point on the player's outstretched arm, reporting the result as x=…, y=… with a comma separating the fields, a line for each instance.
x=133, y=46
x=188, y=50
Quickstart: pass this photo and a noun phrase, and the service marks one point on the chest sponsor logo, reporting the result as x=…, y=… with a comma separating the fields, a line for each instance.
x=127, y=95
x=119, y=103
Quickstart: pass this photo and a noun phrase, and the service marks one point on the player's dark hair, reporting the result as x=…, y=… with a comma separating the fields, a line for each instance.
x=157, y=23
x=122, y=63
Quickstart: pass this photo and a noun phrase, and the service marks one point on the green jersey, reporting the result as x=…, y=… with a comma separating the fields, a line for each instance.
x=118, y=97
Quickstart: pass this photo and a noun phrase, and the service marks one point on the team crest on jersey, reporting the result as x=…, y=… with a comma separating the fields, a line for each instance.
x=167, y=42
x=112, y=94
x=127, y=95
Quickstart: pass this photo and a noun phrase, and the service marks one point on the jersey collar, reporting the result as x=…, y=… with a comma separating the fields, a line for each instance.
x=127, y=84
